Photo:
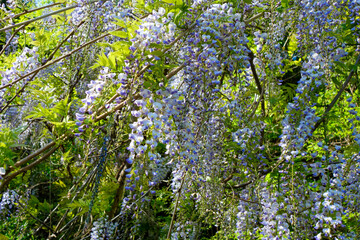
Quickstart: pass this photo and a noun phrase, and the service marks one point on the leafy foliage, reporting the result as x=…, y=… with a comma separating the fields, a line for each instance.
x=179, y=119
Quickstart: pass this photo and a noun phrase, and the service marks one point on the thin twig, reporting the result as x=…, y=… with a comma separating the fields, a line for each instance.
x=8, y=178
x=47, y=218
x=32, y=10
x=168, y=48
x=328, y=109
x=63, y=41
x=17, y=94
x=331, y=105
x=175, y=208
x=247, y=21
x=38, y=18
x=11, y=38
x=257, y=104
x=257, y=80
x=42, y=223
x=142, y=196
x=57, y=60
x=148, y=66
x=34, y=75
x=28, y=158
x=98, y=118
x=104, y=115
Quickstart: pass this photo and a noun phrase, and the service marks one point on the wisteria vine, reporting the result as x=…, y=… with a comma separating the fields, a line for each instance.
x=181, y=119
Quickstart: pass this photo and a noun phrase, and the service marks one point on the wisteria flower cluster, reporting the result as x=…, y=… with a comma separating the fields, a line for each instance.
x=181, y=119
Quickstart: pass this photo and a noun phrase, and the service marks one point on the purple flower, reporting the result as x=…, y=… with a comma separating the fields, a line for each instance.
x=80, y=117
x=145, y=93
x=140, y=103
x=136, y=113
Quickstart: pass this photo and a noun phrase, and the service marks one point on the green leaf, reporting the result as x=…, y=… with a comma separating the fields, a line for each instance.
x=36, y=43
x=292, y=44
x=157, y=53
x=59, y=18
x=120, y=23
x=112, y=61
x=340, y=64
x=103, y=60
x=121, y=45
x=155, y=45
x=120, y=34
x=285, y=3
x=3, y=237
x=334, y=79
x=33, y=200
x=62, y=107
x=339, y=71
x=103, y=44
x=174, y=2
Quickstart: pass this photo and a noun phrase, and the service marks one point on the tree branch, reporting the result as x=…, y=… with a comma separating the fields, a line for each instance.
x=35, y=73
x=8, y=178
x=331, y=105
x=31, y=156
x=41, y=222
x=175, y=208
x=57, y=60
x=38, y=18
x=11, y=38
x=257, y=80
x=32, y=10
